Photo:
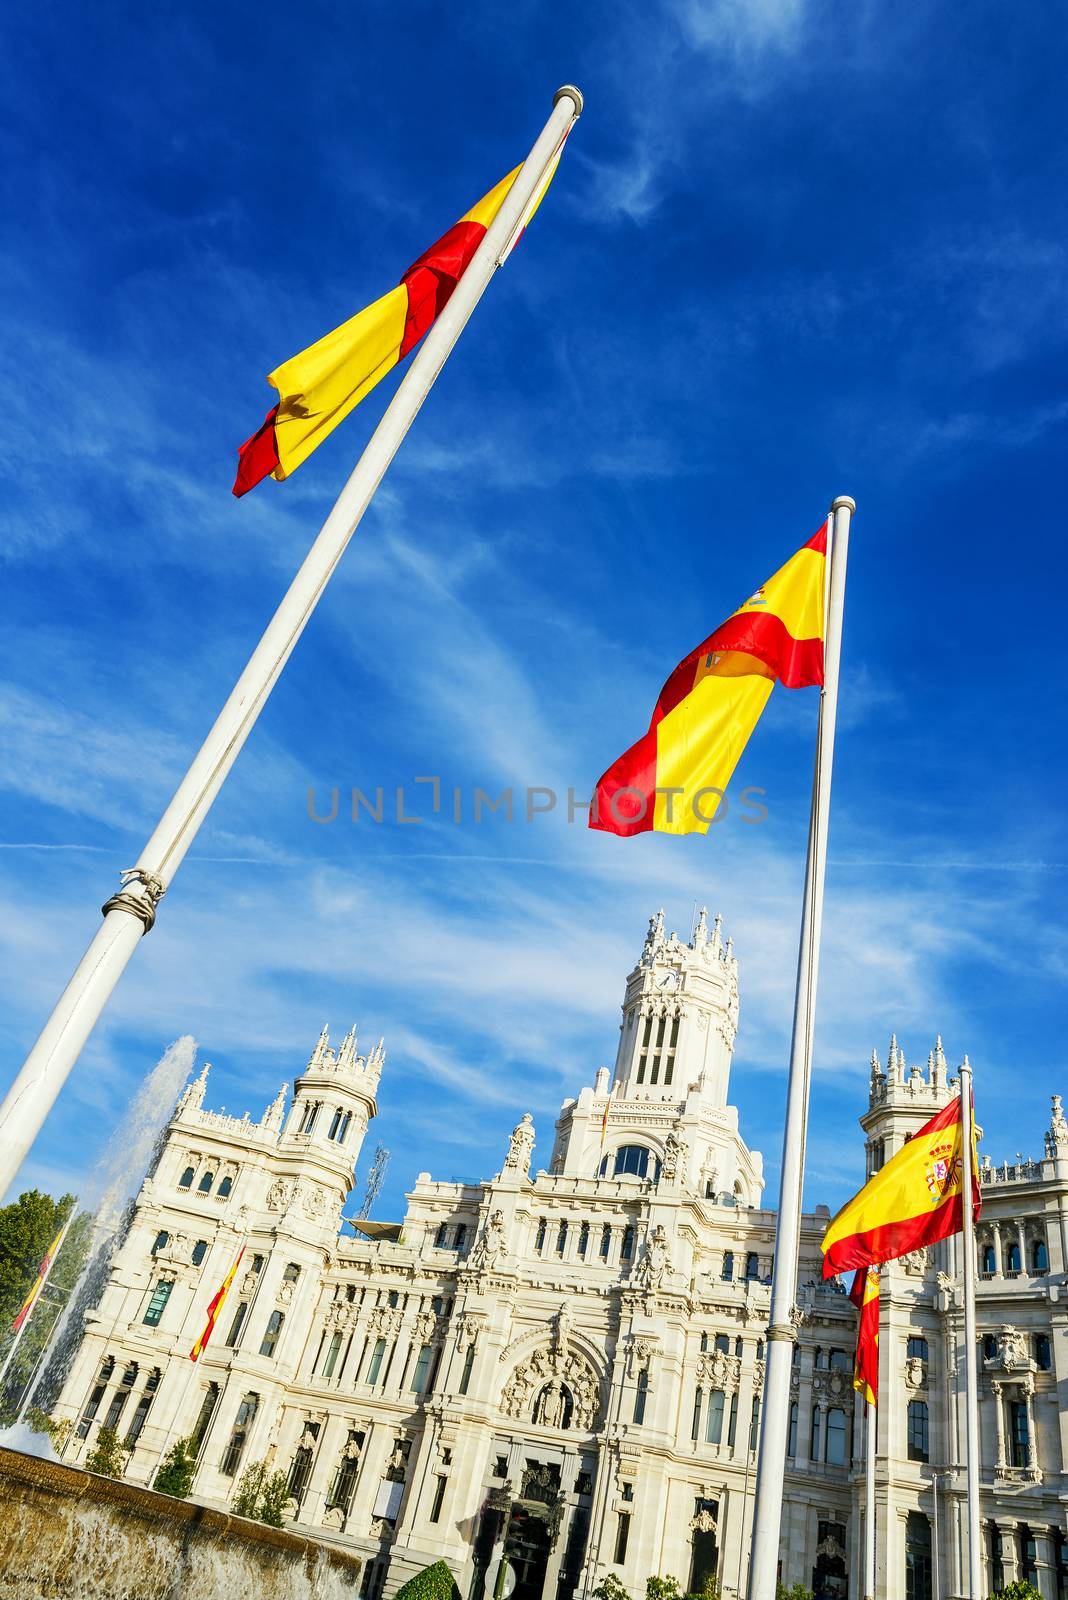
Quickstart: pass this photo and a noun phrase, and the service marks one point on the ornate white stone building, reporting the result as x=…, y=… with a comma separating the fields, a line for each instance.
x=566, y=1366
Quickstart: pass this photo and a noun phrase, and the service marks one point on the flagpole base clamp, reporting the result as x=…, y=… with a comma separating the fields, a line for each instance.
x=141, y=903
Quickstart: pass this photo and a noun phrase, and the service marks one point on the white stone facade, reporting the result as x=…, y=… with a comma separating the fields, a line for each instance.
x=568, y=1364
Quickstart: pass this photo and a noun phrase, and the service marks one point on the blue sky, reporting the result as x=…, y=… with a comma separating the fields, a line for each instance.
x=793, y=250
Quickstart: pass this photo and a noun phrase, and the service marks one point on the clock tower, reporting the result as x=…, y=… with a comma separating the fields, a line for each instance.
x=680, y=1016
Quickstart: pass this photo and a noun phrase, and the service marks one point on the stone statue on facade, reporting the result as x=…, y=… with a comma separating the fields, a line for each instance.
x=675, y=1152
x=520, y=1146
x=491, y=1249
x=654, y=1262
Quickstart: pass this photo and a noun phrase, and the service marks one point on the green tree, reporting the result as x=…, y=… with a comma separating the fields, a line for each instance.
x=108, y=1456
x=175, y=1476
x=609, y=1588
x=709, y=1590
x=433, y=1583
x=657, y=1588
x=1020, y=1590
x=796, y=1591
x=261, y=1494
x=27, y=1228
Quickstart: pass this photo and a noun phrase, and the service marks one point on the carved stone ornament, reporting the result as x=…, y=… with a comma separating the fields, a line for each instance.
x=831, y=1548
x=491, y=1248
x=1012, y=1348
x=520, y=1146
x=676, y=1151
x=278, y=1195
x=758, y=1376
x=655, y=1262
x=313, y=1200
x=307, y=1440
x=554, y=1388
x=720, y=1370
x=915, y=1372
x=1058, y=1127
x=704, y=1522
x=333, y=1517
x=916, y=1262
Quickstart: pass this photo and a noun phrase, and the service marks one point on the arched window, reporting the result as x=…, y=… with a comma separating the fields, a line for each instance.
x=630, y=1160
x=791, y=1438
x=204, y=1186
x=162, y=1238
x=224, y=1188
x=584, y=1240
x=752, y=1265
x=815, y=1450
x=988, y=1261
x=1012, y=1259
x=917, y=1348
x=335, y=1123
x=200, y=1250
x=269, y=1342
x=1039, y=1257
x=727, y=1272
x=343, y=1131
x=186, y=1180
x=561, y=1238
x=836, y=1437
x=918, y=1431
x=1043, y=1353
x=606, y=1240
x=539, y=1237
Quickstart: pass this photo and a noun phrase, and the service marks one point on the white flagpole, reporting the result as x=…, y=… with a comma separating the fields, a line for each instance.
x=771, y=1462
x=37, y=1298
x=870, y=1425
x=971, y=1375
x=131, y=912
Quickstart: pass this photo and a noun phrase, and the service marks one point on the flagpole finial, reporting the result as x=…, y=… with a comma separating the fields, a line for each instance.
x=574, y=94
x=842, y=502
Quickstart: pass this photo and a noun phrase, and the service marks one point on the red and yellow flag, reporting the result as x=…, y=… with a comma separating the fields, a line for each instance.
x=913, y=1201
x=38, y=1283
x=318, y=388
x=214, y=1308
x=865, y=1296
x=673, y=779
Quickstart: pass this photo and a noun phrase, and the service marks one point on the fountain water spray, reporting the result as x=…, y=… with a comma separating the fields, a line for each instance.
x=130, y=1154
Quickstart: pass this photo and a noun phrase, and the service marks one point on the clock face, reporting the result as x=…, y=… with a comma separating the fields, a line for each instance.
x=668, y=981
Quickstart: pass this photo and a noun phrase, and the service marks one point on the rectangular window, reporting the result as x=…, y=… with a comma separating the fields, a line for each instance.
x=160, y=1295
x=584, y=1240
x=622, y=1535
x=918, y=1431
x=137, y=1422
x=246, y=1416
x=754, y=1424
x=114, y=1411
x=1021, y=1443
x=422, y=1367
x=836, y=1437
x=91, y=1409
x=695, y=1427
x=469, y=1362
x=439, y=1496
x=791, y=1441
x=204, y=1416
x=461, y=1235
x=375, y=1366
x=269, y=1342
x=714, y=1430
x=732, y=1426
x=606, y=1240
x=640, y=1395
x=333, y=1350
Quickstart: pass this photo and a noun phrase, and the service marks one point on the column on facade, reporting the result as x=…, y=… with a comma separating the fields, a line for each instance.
x=1009, y=1563
x=1032, y=1435
x=1045, y=1574
x=999, y=1255
x=996, y=1390
x=1021, y=1229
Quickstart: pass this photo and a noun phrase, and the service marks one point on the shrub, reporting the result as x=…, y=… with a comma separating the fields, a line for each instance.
x=261, y=1494
x=1020, y=1590
x=796, y=1591
x=175, y=1476
x=709, y=1590
x=662, y=1589
x=108, y=1456
x=433, y=1583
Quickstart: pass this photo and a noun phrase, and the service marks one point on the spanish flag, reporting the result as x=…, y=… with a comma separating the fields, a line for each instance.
x=214, y=1308
x=38, y=1283
x=913, y=1201
x=673, y=779
x=865, y=1296
x=318, y=388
